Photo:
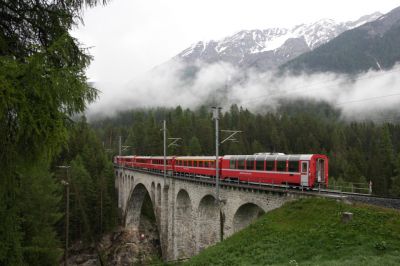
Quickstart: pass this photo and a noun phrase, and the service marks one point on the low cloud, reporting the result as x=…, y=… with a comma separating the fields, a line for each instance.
x=364, y=96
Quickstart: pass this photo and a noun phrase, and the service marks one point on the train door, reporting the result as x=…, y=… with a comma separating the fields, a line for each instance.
x=320, y=170
x=304, y=173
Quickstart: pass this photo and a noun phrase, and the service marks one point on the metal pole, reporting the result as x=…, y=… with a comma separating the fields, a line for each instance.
x=67, y=221
x=101, y=205
x=120, y=145
x=165, y=149
x=216, y=117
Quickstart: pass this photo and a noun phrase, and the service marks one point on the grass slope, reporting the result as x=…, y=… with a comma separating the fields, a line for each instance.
x=310, y=232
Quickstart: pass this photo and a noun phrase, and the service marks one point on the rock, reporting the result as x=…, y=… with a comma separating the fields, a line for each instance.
x=121, y=247
x=347, y=217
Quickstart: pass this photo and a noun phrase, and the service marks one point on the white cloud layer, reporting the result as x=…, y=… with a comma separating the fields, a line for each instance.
x=360, y=97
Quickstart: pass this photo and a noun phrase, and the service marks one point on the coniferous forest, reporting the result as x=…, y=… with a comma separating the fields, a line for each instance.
x=42, y=86
x=359, y=152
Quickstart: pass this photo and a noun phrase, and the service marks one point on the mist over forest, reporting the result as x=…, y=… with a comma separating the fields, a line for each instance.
x=368, y=95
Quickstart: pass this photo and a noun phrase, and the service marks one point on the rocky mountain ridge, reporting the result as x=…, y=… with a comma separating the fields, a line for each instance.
x=373, y=45
x=269, y=48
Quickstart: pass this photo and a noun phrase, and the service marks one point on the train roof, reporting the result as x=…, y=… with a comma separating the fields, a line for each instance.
x=272, y=156
x=195, y=158
x=260, y=156
x=161, y=157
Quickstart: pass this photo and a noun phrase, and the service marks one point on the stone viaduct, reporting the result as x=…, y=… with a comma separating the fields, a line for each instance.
x=188, y=216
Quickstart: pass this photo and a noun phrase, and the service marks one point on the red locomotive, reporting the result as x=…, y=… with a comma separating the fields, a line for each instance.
x=307, y=170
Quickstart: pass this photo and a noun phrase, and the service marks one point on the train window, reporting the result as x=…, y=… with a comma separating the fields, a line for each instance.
x=240, y=164
x=250, y=164
x=293, y=166
x=304, y=167
x=281, y=166
x=260, y=165
x=232, y=164
x=270, y=165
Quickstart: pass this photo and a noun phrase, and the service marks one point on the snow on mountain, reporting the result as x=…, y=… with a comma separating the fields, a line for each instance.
x=266, y=49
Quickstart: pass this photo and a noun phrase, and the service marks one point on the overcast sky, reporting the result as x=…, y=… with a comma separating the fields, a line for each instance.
x=128, y=37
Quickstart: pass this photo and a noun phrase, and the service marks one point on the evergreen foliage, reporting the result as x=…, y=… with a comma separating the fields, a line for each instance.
x=42, y=84
x=93, y=200
x=359, y=152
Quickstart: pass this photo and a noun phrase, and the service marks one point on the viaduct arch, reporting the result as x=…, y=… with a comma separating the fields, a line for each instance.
x=188, y=217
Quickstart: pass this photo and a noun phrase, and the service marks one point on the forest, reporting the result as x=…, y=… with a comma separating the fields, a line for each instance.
x=43, y=89
x=358, y=151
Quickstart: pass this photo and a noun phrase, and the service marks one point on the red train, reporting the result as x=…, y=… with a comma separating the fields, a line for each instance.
x=308, y=170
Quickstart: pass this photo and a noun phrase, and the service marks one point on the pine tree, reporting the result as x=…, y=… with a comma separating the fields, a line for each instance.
x=194, y=146
x=395, y=188
x=40, y=199
x=42, y=83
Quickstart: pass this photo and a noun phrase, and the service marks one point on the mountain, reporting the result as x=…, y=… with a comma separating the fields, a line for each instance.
x=374, y=45
x=269, y=48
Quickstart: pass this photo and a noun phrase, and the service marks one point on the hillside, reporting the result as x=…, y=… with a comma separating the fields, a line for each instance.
x=374, y=45
x=310, y=232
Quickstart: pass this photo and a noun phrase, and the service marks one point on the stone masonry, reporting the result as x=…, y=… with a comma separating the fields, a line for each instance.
x=188, y=216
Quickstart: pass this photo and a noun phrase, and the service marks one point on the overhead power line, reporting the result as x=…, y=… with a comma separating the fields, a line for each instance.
x=369, y=99
x=311, y=87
